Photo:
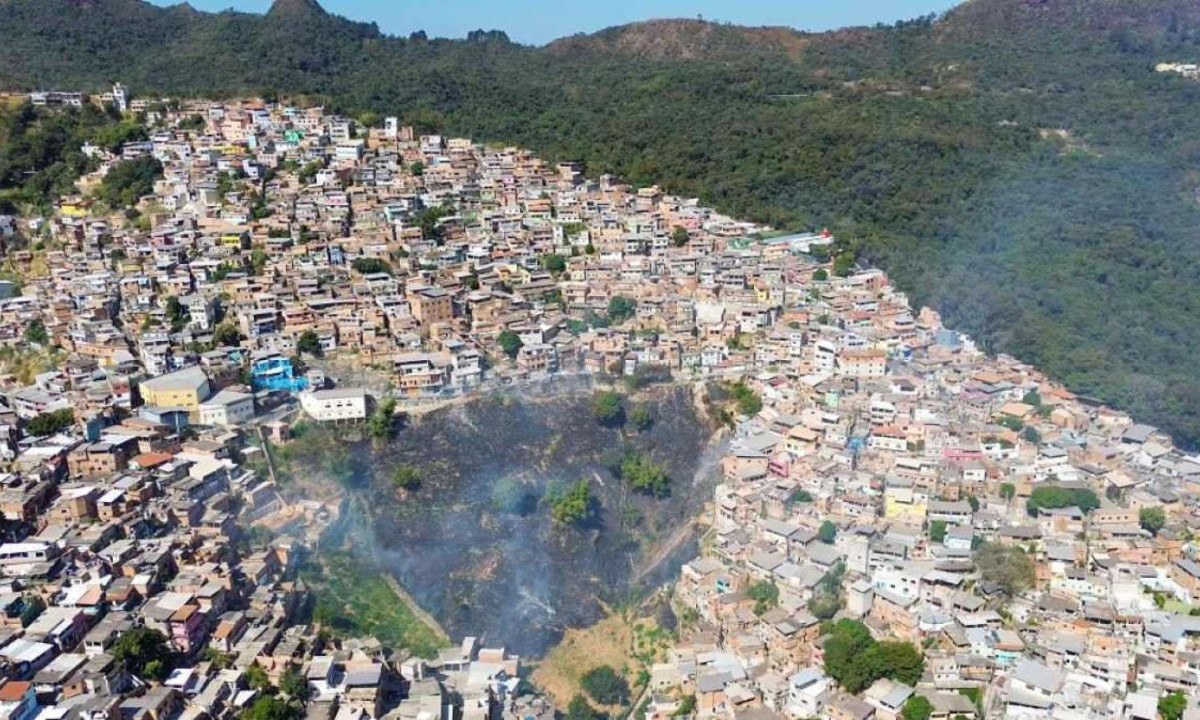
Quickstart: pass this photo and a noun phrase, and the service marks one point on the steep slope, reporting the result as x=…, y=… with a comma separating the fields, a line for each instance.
x=1017, y=164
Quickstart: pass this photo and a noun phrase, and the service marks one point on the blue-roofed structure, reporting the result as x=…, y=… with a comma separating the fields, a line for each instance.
x=275, y=373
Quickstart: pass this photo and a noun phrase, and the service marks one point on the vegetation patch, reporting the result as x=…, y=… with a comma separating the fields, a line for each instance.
x=353, y=599
x=603, y=662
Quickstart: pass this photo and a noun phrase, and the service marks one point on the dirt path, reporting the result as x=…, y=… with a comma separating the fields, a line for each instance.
x=682, y=533
x=419, y=612
x=664, y=551
x=262, y=438
x=416, y=608
x=637, y=702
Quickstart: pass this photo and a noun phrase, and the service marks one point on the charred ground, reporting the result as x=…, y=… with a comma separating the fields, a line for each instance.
x=474, y=543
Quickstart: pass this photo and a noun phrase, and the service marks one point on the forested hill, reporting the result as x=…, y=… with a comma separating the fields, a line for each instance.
x=1017, y=164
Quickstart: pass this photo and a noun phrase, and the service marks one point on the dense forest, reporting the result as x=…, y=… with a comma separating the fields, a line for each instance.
x=1017, y=164
x=40, y=150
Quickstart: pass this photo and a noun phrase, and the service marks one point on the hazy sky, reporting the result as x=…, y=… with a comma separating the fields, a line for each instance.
x=538, y=21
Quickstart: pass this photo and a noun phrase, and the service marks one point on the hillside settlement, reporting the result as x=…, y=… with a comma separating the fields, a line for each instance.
x=890, y=487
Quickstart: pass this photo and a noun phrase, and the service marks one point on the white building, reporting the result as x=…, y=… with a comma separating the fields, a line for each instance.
x=20, y=559
x=336, y=404
x=807, y=692
x=120, y=97
x=227, y=407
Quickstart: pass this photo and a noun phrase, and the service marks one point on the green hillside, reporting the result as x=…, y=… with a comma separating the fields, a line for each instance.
x=1018, y=164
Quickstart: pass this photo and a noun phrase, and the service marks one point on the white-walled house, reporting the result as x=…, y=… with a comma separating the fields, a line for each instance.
x=334, y=405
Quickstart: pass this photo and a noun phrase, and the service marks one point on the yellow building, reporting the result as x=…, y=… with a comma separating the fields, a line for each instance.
x=903, y=503
x=185, y=388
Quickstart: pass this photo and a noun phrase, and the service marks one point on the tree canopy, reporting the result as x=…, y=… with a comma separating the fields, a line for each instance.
x=856, y=660
x=765, y=595
x=406, y=477
x=382, y=422
x=32, y=607
x=1051, y=497
x=606, y=407
x=1152, y=519
x=605, y=686
x=917, y=707
x=827, y=596
x=580, y=709
x=1172, y=706
x=510, y=342
x=140, y=646
x=573, y=506
x=1008, y=567
x=621, y=308
x=51, y=422
x=641, y=418
x=271, y=707
x=40, y=150
x=294, y=685
x=748, y=401
x=554, y=263
x=129, y=180
x=35, y=332
x=371, y=266
x=308, y=342
x=644, y=475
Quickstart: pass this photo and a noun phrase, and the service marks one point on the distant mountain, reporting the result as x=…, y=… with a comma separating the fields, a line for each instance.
x=681, y=40
x=1017, y=164
x=296, y=8
x=1150, y=18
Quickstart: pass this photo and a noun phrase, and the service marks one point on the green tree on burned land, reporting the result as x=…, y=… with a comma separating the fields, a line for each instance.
x=640, y=418
x=381, y=422
x=606, y=407
x=645, y=476
x=573, y=506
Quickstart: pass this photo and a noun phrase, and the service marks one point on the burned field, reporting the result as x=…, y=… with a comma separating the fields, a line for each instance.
x=473, y=539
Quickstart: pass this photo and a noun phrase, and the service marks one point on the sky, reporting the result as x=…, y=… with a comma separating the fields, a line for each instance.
x=539, y=21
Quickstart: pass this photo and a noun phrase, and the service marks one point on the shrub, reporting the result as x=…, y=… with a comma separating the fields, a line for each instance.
x=645, y=476
x=606, y=407
x=605, y=686
x=573, y=507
